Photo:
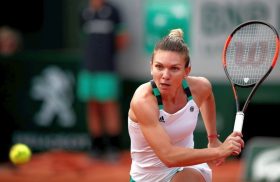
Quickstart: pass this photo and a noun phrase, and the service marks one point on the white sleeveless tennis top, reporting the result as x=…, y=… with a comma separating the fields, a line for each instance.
x=146, y=166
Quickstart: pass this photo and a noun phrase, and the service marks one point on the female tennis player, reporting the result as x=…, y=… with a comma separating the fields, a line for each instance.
x=163, y=115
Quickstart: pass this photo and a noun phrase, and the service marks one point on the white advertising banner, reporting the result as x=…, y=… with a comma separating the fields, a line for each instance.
x=214, y=20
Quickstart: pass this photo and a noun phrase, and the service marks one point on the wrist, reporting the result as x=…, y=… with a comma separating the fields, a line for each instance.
x=213, y=136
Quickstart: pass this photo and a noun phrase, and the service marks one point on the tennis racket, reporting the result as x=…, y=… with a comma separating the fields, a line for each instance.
x=250, y=53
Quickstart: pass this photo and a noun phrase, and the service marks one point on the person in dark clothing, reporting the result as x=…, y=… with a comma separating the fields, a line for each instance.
x=99, y=82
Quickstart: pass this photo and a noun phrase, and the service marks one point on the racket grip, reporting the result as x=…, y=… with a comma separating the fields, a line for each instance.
x=238, y=124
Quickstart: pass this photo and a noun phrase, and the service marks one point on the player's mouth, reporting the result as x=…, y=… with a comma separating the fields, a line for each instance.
x=164, y=85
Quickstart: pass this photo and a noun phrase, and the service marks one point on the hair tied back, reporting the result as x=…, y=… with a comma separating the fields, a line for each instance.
x=178, y=33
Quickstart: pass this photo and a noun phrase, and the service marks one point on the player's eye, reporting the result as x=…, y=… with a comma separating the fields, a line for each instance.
x=175, y=68
x=159, y=67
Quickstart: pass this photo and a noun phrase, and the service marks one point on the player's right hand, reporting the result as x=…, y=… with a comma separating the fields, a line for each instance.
x=233, y=144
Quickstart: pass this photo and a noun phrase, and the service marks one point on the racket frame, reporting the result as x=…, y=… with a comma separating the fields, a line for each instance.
x=239, y=117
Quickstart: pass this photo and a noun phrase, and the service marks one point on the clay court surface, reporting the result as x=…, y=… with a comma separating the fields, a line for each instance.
x=63, y=166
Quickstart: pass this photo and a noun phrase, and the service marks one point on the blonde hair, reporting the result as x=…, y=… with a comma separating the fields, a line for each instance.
x=174, y=42
x=178, y=33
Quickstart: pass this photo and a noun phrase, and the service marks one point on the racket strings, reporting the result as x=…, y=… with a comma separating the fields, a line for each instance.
x=250, y=53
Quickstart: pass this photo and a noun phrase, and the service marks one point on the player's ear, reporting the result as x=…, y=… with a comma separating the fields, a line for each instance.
x=187, y=70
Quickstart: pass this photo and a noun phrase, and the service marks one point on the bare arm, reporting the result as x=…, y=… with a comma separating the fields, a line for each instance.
x=208, y=108
x=208, y=112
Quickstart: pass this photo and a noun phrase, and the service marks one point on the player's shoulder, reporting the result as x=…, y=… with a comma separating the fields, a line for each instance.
x=198, y=80
x=200, y=88
x=143, y=90
x=199, y=84
x=142, y=93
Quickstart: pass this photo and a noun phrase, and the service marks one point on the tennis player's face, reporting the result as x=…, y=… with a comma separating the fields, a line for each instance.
x=168, y=70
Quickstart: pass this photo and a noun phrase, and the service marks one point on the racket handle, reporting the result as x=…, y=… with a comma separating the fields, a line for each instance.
x=238, y=124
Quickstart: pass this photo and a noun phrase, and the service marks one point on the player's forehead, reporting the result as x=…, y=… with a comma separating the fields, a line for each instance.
x=168, y=58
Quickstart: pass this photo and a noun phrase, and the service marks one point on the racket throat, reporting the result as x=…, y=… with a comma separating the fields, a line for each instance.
x=238, y=124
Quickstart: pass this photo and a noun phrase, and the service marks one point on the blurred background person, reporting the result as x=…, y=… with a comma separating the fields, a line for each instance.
x=10, y=41
x=99, y=83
